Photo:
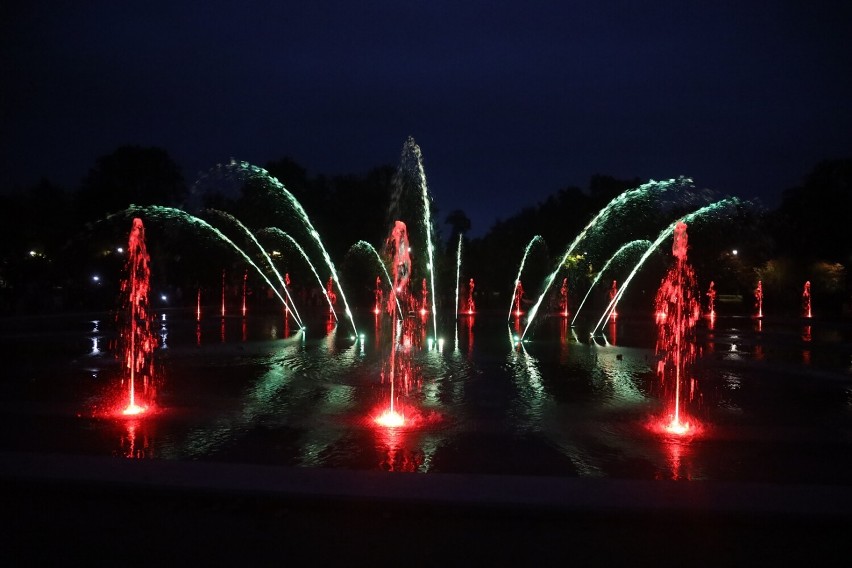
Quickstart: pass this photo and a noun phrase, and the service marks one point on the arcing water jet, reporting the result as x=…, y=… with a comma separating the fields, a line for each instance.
x=713, y=208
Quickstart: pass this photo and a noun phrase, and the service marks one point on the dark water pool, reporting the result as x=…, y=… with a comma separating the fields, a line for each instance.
x=775, y=398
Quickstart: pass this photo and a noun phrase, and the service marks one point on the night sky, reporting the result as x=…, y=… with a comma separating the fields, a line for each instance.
x=509, y=101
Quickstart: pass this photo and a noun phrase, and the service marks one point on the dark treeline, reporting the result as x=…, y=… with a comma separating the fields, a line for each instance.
x=56, y=241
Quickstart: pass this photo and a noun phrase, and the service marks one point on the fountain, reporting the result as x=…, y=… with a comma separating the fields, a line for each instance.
x=424, y=299
x=613, y=293
x=537, y=239
x=713, y=208
x=223, y=292
x=758, y=299
x=567, y=407
x=519, y=294
x=245, y=288
x=137, y=337
x=711, y=300
x=677, y=312
x=806, y=300
x=563, y=298
x=332, y=299
x=623, y=249
x=621, y=204
x=398, y=366
x=377, y=308
x=470, y=308
x=286, y=306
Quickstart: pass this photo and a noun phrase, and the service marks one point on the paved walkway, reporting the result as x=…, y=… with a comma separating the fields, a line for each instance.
x=148, y=512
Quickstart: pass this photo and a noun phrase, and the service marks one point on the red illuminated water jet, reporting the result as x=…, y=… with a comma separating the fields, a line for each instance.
x=519, y=293
x=677, y=311
x=613, y=292
x=332, y=298
x=806, y=300
x=198, y=306
x=286, y=305
x=398, y=368
x=378, y=307
x=563, y=298
x=138, y=341
x=245, y=285
x=424, y=303
x=223, y=292
x=471, y=306
x=758, y=299
x=711, y=300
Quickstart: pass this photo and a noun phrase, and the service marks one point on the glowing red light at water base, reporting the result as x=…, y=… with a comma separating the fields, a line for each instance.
x=390, y=419
x=519, y=293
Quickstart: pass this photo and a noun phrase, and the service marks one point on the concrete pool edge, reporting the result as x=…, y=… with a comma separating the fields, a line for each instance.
x=538, y=493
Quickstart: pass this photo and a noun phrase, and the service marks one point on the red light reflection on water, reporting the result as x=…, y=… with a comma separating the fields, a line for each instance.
x=397, y=436
x=133, y=443
x=395, y=455
x=807, y=337
x=679, y=453
x=677, y=437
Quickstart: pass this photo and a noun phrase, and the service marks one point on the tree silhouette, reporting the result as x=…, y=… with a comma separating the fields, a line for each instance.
x=131, y=175
x=460, y=224
x=812, y=220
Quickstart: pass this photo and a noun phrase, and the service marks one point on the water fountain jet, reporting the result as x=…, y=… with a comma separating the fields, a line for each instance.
x=806, y=300
x=398, y=360
x=677, y=312
x=138, y=338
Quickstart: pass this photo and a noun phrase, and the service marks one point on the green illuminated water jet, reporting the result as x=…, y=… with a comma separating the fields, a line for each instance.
x=527, y=249
x=412, y=161
x=262, y=250
x=714, y=208
x=282, y=235
x=624, y=249
x=458, y=272
x=373, y=253
x=623, y=200
x=293, y=203
x=172, y=214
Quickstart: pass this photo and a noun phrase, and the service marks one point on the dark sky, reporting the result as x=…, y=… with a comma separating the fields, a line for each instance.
x=509, y=101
